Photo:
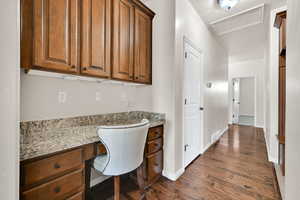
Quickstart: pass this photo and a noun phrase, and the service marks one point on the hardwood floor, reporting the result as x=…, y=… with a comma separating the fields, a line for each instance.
x=235, y=168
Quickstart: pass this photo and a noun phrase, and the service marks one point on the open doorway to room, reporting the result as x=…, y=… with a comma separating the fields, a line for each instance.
x=243, y=102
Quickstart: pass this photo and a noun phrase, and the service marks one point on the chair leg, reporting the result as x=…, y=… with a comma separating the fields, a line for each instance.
x=117, y=187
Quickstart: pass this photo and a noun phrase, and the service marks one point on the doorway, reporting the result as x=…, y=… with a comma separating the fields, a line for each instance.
x=243, y=102
x=192, y=109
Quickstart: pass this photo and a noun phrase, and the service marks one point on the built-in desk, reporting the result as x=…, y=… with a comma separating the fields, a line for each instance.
x=65, y=174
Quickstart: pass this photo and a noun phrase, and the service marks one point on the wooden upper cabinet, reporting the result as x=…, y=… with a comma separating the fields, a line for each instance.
x=96, y=38
x=99, y=38
x=282, y=38
x=56, y=35
x=143, y=47
x=123, y=38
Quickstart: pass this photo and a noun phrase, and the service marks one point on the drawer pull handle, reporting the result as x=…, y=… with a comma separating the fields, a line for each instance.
x=156, y=144
x=57, y=189
x=97, y=67
x=56, y=166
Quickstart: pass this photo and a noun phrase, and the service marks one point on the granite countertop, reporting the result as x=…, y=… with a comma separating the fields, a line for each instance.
x=39, y=138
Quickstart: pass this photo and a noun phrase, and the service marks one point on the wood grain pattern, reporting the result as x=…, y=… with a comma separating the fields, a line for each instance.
x=57, y=189
x=123, y=26
x=96, y=38
x=155, y=132
x=235, y=168
x=78, y=196
x=56, y=32
x=142, y=47
x=35, y=172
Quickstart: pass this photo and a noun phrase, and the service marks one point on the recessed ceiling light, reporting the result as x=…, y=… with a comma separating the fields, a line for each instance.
x=227, y=4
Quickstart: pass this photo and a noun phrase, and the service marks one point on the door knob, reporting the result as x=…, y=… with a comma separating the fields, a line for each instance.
x=201, y=108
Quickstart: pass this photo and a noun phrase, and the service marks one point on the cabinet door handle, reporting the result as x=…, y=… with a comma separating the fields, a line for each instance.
x=73, y=66
x=57, y=189
x=130, y=77
x=97, y=67
x=56, y=166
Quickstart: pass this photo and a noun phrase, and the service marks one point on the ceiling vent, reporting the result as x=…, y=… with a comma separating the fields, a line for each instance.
x=241, y=20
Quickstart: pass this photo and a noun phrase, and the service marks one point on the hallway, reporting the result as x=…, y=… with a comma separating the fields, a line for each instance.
x=235, y=168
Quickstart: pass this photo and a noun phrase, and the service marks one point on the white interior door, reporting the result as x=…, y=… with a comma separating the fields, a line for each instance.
x=192, y=104
x=236, y=101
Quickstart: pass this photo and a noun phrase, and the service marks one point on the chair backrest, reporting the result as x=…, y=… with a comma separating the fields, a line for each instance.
x=125, y=147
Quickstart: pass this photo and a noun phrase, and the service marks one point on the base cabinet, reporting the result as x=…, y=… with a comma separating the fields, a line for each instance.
x=65, y=175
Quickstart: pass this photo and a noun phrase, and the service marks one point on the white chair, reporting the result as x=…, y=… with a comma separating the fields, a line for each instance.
x=125, y=151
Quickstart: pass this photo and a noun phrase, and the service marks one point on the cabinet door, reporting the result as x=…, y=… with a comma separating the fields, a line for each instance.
x=96, y=38
x=56, y=35
x=154, y=166
x=142, y=47
x=123, y=26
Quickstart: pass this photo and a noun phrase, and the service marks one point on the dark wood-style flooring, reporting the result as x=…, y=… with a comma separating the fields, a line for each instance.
x=235, y=168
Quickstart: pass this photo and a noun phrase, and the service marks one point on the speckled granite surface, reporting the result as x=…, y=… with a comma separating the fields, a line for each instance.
x=43, y=137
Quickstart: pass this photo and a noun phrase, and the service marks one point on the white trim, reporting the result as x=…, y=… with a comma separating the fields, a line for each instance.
x=173, y=176
x=273, y=85
x=270, y=158
x=260, y=9
x=237, y=14
x=255, y=97
x=219, y=135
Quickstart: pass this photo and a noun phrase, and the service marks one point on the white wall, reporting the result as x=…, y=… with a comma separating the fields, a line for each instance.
x=190, y=25
x=271, y=96
x=256, y=69
x=247, y=95
x=292, y=102
x=39, y=98
x=9, y=101
x=163, y=74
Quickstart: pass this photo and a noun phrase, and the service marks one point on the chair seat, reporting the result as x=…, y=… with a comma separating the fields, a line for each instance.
x=100, y=162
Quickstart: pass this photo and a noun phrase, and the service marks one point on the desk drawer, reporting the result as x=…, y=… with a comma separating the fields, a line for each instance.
x=60, y=188
x=78, y=196
x=55, y=165
x=154, y=165
x=154, y=145
x=155, y=132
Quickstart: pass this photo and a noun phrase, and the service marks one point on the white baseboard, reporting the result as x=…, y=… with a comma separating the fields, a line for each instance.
x=218, y=135
x=270, y=158
x=173, y=176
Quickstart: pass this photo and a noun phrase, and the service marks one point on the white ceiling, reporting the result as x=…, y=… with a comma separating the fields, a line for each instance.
x=245, y=44
x=210, y=11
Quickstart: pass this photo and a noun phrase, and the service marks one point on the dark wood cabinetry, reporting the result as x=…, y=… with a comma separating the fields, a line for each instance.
x=280, y=23
x=143, y=47
x=53, y=43
x=154, y=155
x=99, y=38
x=123, y=38
x=65, y=175
x=96, y=38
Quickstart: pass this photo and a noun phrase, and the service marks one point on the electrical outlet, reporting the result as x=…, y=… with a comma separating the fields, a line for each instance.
x=98, y=96
x=62, y=97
